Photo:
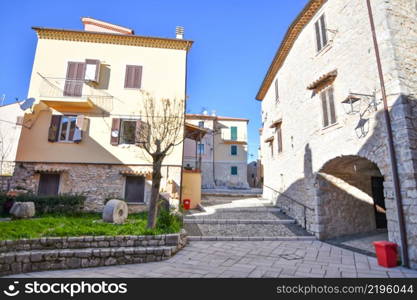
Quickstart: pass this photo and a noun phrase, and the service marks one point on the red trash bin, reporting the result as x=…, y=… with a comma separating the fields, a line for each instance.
x=186, y=204
x=386, y=252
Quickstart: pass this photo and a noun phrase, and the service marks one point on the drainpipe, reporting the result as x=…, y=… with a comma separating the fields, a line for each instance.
x=391, y=147
x=214, y=147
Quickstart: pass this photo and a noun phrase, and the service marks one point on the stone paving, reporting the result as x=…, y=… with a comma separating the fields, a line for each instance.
x=248, y=259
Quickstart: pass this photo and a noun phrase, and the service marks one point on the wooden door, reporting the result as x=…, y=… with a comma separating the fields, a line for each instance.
x=379, y=202
x=48, y=184
x=135, y=189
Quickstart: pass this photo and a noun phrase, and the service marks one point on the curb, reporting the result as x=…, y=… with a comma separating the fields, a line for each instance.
x=252, y=238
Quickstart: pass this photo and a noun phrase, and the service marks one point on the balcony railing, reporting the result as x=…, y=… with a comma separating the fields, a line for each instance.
x=62, y=90
x=229, y=138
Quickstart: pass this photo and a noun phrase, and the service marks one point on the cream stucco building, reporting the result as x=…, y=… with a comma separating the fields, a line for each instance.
x=221, y=155
x=80, y=136
x=10, y=127
x=324, y=142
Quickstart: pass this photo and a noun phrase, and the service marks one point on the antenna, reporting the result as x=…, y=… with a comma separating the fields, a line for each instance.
x=28, y=103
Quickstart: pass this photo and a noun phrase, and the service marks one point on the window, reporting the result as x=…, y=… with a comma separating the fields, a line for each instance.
x=233, y=150
x=328, y=108
x=201, y=124
x=321, y=33
x=233, y=170
x=135, y=189
x=200, y=148
x=276, y=91
x=67, y=129
x=279, y=137
x=233, y=133
x=48, y=184
x=128, y=132
x=133, y=77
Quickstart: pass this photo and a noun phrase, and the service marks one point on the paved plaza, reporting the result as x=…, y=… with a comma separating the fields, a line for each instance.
x=227, y=259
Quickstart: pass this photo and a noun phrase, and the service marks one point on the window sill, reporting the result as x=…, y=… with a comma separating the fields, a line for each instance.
x=66, y=142
x=330, y=127
x=325, y=49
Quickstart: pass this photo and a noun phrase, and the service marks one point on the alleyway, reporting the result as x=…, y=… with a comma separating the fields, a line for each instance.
x=240, y=217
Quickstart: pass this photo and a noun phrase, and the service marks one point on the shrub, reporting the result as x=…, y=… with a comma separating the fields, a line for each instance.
x=6, y=203
x=168, y=222
x=61, y=204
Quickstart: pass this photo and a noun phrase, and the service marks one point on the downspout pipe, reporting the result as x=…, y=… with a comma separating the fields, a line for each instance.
x=391, y=147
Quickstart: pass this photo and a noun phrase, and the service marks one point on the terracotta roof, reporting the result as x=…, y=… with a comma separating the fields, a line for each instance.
x=291, y=36
x=112, y=38
x=107, y=25
x=324, y=80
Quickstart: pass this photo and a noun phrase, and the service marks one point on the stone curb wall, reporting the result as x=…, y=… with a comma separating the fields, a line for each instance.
x=43, y=256
x=81, y=242
x=236, y=221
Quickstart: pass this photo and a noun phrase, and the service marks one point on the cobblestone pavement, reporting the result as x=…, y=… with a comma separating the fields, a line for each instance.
x=248, y=259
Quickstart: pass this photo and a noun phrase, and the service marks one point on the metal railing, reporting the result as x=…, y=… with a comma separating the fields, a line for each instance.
x=62, y=88
x=227, y=136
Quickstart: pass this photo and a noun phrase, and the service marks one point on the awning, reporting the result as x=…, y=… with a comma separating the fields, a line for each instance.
x=276, y=123
x=269, y=140
x=50, y=169
x=323, y=80
x=194, y=132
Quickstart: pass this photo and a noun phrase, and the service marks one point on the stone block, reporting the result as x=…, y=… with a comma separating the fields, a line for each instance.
x=23, y=210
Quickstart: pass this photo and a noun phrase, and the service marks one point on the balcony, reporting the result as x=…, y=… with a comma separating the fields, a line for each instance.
x=68, y=95
x=227, y=138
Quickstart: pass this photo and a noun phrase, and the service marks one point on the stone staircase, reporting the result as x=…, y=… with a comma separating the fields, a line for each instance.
x=232, y=217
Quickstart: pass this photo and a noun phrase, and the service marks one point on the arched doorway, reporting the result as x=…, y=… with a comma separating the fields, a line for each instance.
x=350, y=197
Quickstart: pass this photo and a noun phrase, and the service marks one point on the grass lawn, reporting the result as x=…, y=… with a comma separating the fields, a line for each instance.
x=84, y=224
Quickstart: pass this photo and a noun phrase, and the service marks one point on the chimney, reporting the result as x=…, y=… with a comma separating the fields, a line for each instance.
x=179, y=30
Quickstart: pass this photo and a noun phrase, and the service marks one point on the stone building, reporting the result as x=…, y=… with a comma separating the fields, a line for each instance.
x=324, y=139
x=81, y=135
x=222, y=154
x=254, y=174
x=10, y=127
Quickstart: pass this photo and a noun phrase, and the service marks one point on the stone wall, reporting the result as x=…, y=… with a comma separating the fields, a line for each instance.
x=28, y=255
x=343, y=208
x=97, y=182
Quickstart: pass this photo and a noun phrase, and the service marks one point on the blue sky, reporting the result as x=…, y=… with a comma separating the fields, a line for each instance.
x=234, y=44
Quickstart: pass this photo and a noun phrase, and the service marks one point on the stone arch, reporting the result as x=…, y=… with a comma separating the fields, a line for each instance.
x=350, y=196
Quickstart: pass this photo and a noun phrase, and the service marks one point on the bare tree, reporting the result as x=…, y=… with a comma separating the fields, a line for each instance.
x=161, y=129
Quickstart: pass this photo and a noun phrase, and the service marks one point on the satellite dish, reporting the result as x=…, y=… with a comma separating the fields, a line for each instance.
x=28, y=103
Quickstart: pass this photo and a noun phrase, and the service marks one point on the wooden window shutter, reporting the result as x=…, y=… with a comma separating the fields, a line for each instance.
x=74, y=79
x=54, y=128
x=133, y=77
x=115, y=131
x=323, y=31
x=276, y=90
x=80, y=126
x=317, y=27
x=92, y=69
x=330, y=97
x=325, y=111
x=279, y=138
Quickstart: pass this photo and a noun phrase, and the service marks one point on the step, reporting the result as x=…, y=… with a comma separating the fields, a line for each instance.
x=245, y=230
x=41, y=260
x=238, y=215
x=251, y=238
x=235, y=221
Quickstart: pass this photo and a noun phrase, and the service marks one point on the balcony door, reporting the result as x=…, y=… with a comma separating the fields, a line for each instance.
x=74, y=79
